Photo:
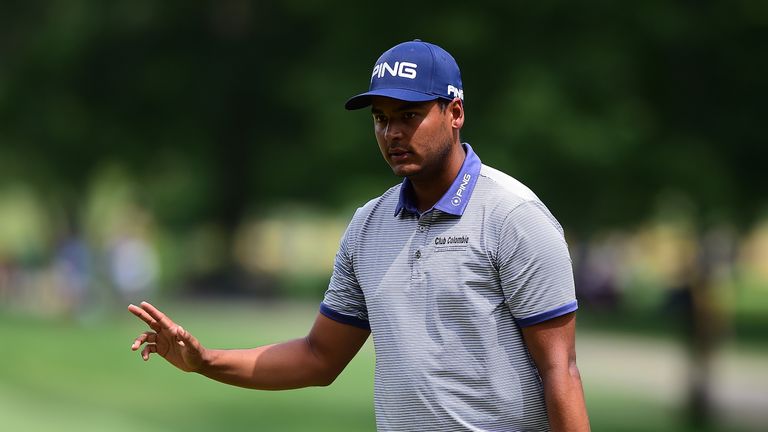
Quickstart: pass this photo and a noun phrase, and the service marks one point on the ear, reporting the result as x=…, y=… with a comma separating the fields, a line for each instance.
x=456, y=110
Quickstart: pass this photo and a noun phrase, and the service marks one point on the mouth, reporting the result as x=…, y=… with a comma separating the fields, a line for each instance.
x=398, y=155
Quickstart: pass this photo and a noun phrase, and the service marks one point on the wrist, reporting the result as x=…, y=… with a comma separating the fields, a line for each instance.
x=207, y=359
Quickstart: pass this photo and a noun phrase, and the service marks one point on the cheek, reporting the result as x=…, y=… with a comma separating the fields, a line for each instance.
x=428, y=133
x=381, y=142
x=378, y=132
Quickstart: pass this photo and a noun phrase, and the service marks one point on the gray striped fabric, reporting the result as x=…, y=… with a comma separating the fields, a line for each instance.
x=445, y=296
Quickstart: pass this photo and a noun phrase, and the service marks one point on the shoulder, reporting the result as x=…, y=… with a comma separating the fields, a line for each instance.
x=375, y=209
x=506, y=185
x=380, y=204
x=510, y=198
x=370, y=214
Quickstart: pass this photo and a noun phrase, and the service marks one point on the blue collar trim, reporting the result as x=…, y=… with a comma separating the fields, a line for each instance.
x=457, y=197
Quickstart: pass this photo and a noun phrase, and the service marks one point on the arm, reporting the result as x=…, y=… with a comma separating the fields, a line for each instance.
x=316, y=359
x=553, y=348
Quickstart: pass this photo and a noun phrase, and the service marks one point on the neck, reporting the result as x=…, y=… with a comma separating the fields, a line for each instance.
x=429, y=188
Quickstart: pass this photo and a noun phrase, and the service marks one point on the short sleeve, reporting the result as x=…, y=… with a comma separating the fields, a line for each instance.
x=344, y=300
x=535, y=266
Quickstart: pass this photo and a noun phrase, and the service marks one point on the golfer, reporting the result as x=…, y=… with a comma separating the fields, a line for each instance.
x=460, y=273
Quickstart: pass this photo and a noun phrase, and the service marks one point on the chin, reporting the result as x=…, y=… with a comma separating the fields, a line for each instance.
x=404, y=171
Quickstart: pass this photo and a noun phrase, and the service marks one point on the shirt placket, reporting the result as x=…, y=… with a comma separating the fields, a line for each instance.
x=419, y=248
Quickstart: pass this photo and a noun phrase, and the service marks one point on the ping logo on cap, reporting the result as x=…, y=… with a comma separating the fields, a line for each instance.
x=400, y=69
x=413, y=71
x=455, y=92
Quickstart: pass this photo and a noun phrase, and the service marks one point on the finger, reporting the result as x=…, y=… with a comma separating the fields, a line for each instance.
x=150, y=337
x=165, y=322
x=144, y=316
x=148, y=349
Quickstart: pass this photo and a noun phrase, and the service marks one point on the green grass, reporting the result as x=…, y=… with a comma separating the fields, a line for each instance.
x=61, y=375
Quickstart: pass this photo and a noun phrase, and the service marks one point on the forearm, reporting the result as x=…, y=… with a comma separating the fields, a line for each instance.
x=286, y=365
x=564, y=398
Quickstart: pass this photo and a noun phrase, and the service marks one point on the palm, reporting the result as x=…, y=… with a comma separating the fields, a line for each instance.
x=176, y=354
x=168, y=339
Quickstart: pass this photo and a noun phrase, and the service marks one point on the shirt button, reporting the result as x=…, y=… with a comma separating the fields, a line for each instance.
x=418, y=254
x=422, y=227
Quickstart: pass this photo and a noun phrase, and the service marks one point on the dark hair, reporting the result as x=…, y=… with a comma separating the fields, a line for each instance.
x=443, y=103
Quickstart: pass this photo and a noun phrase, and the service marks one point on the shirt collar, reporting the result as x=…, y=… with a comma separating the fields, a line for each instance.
x=457, y=197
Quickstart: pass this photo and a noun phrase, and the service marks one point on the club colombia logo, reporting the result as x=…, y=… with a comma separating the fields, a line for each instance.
x=456, y=200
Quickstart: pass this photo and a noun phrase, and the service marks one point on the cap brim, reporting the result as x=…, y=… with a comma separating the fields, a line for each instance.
x=363, y=100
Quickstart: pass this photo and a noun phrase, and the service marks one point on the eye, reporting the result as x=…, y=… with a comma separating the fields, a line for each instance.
x=379, y=118
x=409, y=115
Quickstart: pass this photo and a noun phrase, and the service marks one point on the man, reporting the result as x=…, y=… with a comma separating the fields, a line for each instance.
x=460, y=273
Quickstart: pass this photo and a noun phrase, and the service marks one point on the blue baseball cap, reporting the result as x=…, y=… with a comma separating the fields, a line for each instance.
x=413, y=71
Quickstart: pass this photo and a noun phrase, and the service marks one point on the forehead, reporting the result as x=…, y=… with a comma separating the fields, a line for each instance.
x=382, y=103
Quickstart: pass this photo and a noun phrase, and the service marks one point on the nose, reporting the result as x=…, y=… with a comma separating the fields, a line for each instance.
x=393, y=131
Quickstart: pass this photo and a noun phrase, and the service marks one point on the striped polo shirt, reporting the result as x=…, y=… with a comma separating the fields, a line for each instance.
x=445, y=293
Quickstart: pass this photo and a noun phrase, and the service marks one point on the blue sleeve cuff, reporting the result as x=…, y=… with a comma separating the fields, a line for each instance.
x=548, y=315
x=344, y=319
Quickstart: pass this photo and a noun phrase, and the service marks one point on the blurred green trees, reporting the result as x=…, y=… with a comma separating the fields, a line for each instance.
x=221, y=107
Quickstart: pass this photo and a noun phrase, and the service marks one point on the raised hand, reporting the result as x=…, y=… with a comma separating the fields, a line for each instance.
x=167, y=339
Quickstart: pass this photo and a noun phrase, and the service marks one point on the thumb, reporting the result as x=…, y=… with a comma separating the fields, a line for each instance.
x=181, y=336
x=185, y=339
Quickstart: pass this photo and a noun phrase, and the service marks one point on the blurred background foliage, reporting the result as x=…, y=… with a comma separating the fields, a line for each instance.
x=185, y=149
